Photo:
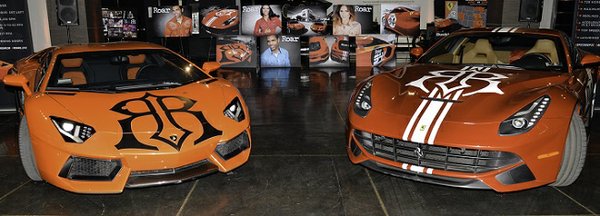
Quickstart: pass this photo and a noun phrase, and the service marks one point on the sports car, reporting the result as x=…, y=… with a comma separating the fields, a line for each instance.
x=217, y=20
x=372, y=51
x=97, y=118
x=403, y=21
x=340, y=50
x=233, y=52
x=318, y=27
x=318, y=50
x=503, y=109
x=296, y=28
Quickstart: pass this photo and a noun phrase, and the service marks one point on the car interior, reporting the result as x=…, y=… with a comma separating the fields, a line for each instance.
x=502, y=50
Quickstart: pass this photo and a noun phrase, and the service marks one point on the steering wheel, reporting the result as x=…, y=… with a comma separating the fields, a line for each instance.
x=537, y=61
x=148, y=71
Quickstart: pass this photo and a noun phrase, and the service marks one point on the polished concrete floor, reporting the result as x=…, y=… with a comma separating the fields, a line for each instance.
x=298, y=166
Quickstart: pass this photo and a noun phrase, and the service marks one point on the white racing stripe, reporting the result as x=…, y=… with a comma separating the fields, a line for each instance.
x=421, y=129
x=504, y=29
x=410, y=125
x=496, y=29
x=429, y=171
x=210, y=21
x=514, y=29
x=416, y=168
x=440, y=119
x=404, y=166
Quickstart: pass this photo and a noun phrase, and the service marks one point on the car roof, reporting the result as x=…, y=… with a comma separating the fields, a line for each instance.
x=550, y=32
x=94, y=47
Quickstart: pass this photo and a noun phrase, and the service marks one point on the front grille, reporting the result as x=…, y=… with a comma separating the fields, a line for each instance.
x=435, y=156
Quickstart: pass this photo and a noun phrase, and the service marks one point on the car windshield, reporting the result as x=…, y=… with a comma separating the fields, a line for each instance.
x=126, y=70
x=531, y=52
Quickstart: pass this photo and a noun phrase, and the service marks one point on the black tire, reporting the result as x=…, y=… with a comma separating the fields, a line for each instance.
x=574, y=153
x=26, y=152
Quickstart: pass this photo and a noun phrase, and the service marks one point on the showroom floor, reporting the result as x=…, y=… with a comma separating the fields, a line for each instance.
x=298, y=166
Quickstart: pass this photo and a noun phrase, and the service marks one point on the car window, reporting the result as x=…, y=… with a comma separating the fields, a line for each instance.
x=44, y=59
x=127, y=70
x=534, y=52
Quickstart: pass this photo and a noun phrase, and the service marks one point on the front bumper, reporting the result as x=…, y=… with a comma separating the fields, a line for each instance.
x=81, y=171
x=518, y=173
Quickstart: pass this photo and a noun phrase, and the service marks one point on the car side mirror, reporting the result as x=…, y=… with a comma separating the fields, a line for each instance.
x=416, y=52
x=4, y=68
x=209, y=67
x=590, y=60
x=17, y=80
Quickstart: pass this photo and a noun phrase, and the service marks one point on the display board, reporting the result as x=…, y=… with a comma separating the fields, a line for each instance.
x=375, y=50
x=586, y=33
x=220, y=17
x=119, y=23
x=280, y=51
x=254, y=23
x=328, y=51
x=15, y=36
x=353, y=20
x=171, y=21
x=306, y=20
x=472, y=13
x=400, y=19
x=237, y=51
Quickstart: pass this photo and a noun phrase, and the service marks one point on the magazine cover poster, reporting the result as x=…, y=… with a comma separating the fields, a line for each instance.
x=400, y=19
x=328, y=51
x=280, y=51
x=376, y=50
x=237, y=51
x=306, y=21
x=353, y=20
x=170, y=21
x=261, y=20
x=218, y=17
x=119, y=23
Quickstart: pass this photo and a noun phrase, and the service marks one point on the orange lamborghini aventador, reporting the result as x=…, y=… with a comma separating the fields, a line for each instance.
x=503, y=109
x=101, y=117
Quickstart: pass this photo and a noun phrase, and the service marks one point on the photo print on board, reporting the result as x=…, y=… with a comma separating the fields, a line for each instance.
x=261, y=20
x=306, y=20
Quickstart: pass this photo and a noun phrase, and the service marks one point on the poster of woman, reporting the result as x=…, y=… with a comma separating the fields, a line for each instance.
x=261, y=20
x=352, y=20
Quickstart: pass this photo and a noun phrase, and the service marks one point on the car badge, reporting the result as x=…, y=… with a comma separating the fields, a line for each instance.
x=419, y=153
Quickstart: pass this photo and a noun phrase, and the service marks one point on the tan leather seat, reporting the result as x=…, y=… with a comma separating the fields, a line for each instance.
x=135, y=62
x=546, y=47
x=482, y=53
x=72, y=70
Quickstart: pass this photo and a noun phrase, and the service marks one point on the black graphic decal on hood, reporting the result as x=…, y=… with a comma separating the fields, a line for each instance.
x=163, y=115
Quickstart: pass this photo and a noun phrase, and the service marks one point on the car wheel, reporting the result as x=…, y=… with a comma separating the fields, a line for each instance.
x=26, y=152
x=573, y=154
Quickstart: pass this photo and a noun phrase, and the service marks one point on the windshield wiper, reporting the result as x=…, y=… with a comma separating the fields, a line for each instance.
x=60, y=88
x=147, y=85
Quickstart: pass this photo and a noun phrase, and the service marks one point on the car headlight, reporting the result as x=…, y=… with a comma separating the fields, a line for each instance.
x=362, y=103
x=526, y=118
x=72, y=131
x=234, y=110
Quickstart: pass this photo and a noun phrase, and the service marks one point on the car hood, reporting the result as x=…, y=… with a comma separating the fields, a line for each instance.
x=146, y=111
x=474, y=94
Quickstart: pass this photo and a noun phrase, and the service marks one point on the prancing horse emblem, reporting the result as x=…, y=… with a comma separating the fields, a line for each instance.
x=163, y=115
x=419, y=153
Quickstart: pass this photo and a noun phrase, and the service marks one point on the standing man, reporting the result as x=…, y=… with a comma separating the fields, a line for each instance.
x=179, y=25
x=275, y=56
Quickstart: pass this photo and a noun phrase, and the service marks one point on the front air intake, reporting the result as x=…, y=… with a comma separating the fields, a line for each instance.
x=79, y=168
